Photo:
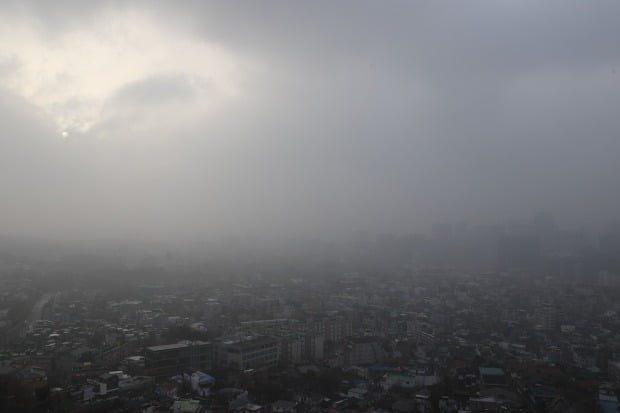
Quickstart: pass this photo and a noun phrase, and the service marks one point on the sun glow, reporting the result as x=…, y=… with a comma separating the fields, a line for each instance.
x=76, y=76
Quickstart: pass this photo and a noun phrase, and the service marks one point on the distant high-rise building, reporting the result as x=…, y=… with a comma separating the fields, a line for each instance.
x=518, y=251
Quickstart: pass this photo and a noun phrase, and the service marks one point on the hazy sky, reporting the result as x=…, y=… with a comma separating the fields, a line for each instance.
x=174, y=120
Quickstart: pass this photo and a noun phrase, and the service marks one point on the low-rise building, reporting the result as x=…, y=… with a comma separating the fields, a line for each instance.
x=249, y=353
x=171, y=359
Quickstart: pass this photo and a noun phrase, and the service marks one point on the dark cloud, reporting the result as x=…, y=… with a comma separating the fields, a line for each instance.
x=162, y=88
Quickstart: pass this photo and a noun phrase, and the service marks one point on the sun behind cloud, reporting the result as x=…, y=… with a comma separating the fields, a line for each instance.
x=125, y=58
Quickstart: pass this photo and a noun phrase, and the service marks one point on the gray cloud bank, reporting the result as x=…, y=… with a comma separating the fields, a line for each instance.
x=378, y=116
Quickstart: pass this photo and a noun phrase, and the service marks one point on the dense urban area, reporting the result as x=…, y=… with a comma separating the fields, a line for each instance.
x=229, y=206
x=520, y=318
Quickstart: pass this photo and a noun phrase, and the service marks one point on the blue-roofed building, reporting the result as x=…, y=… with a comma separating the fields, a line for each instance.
x=202, y=383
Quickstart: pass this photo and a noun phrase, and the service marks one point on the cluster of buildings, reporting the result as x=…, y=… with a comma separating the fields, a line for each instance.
x=438, y=339
x=411, y=336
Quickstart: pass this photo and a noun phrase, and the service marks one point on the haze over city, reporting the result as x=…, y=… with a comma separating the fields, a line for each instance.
x=309, y=206
x=277, y=120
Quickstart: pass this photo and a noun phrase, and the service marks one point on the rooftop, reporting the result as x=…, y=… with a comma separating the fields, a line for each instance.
x=183, y=344
x=491, y=371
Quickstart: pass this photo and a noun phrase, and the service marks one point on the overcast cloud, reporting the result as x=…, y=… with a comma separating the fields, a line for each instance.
x=193, y=120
